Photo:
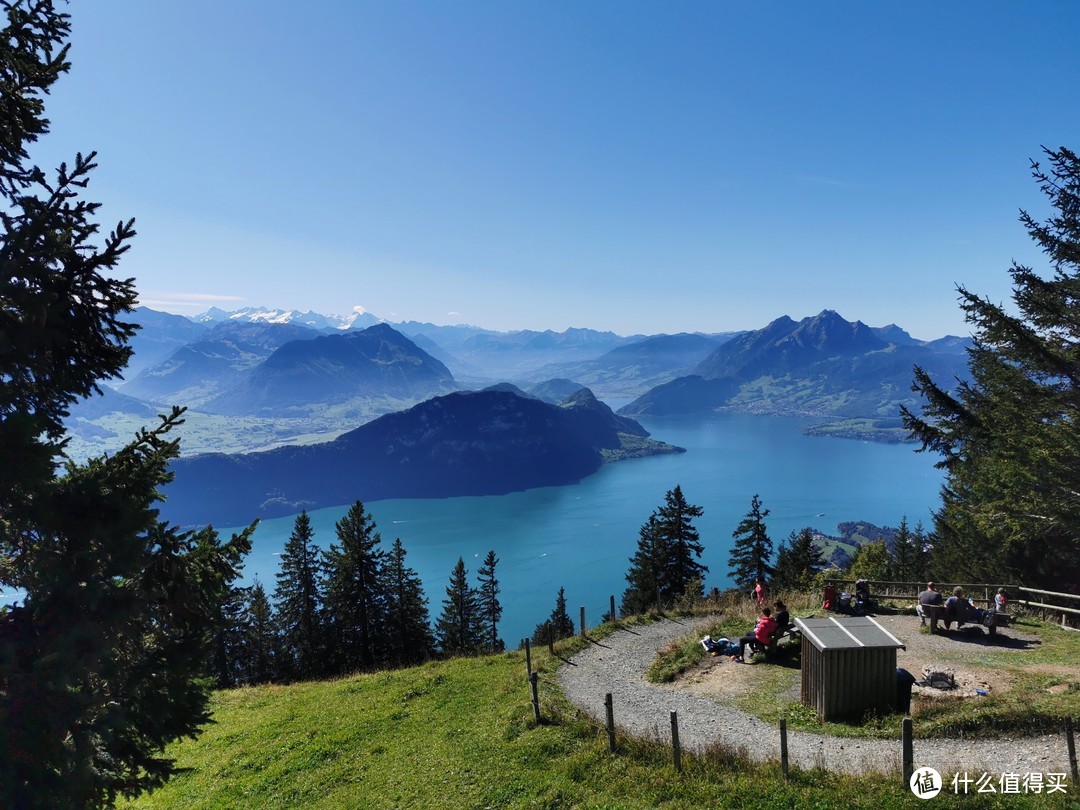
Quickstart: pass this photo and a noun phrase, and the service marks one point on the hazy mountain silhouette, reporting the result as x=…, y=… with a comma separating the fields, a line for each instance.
x=638, y=366
x=374, y=362
x=159, y=336
x=466, y=443
x=822, y=365
x=555, y=390
x=217, y=360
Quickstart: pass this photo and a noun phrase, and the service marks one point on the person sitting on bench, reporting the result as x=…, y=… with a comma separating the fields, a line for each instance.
x=762, y=634
x=930, y=598
x=961, y=610
x=783, y=619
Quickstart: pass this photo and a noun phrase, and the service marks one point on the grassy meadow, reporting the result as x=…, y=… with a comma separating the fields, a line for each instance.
x=461, y=734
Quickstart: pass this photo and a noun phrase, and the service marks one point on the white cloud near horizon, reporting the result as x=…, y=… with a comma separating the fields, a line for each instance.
x=187, y=300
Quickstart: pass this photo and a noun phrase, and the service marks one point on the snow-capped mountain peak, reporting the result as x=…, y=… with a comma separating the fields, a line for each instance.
x=358, y=317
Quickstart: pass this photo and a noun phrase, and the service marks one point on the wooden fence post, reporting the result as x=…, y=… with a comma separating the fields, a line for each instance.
x=783, y=747
x=908, y=752
x=613, y=609
x=528, y=659
x=533, y=680
x=551, y=637
x=610, y=711
x=676, y=749
x=583, y=621
x=1070, y=742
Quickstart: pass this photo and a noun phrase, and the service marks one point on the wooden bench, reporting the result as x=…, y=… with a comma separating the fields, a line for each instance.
x=791, y=631
x=991, y=620
x=935, y=613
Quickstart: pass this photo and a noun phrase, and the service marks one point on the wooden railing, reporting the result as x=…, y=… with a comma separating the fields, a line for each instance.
x=1070, y=614
x=1050, y=605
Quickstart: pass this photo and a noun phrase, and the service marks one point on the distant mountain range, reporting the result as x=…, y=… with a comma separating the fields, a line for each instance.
x=217, y=360
x=306, y=375
x=357, y=319
x=374, y=362
x=159, y=336
x=644, y=363
x=482, y=355
x=467, y=443
x=822, y=366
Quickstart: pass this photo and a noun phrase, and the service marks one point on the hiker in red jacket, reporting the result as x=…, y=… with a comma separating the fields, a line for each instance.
x=762, y=633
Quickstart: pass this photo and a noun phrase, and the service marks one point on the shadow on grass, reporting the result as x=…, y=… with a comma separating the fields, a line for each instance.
x=788, y=658
x=974, y=634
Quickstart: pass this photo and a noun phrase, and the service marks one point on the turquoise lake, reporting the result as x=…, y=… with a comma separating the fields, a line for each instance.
x=581, y=536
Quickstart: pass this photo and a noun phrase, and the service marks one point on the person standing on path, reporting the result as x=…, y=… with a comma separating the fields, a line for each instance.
x=760, y=593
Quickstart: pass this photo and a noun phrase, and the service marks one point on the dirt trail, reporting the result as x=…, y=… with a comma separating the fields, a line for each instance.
x=617, y=664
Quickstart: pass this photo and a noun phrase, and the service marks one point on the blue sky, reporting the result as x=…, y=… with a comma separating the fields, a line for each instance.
x=638, y=167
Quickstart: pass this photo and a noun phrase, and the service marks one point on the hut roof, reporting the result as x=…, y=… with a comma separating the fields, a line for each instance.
x=849, y=632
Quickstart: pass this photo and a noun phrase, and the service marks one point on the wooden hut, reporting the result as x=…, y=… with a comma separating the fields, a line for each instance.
x=848, y=666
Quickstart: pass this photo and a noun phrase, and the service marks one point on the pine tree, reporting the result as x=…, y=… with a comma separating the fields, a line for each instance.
x=1008, y=437
x=104, y=661
x=262, y=640
x=355, y=594
x=490, y=608
x=674, y=522
x=560, y=618
x=406, y=611
x=665, y=566
x=298, y=603
x=751, y=555
x=231, y=639
x=558, y=626
x=922, y=545
x=647, y=568
x=797, y=562
x=457, y=629
x=907, y=555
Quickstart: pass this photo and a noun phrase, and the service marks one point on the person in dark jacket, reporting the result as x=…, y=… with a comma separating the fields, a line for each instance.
x=929, y=600
x=783, y=618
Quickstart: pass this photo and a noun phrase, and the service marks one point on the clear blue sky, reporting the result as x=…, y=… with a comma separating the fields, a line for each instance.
x=639, y=167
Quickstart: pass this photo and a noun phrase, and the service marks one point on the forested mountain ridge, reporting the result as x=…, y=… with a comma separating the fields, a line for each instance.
x=466, y=443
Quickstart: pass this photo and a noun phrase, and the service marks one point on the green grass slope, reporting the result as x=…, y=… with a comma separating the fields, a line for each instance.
x=460, y=734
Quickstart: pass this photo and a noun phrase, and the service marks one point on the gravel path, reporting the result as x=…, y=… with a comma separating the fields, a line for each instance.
x=617, y=664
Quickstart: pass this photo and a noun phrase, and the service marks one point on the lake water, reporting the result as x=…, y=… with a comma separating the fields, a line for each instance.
x=581, y=536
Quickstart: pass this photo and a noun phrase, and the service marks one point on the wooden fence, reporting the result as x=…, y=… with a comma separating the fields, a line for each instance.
x=879, y=589
x=1048, y=605
x=905, y=746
